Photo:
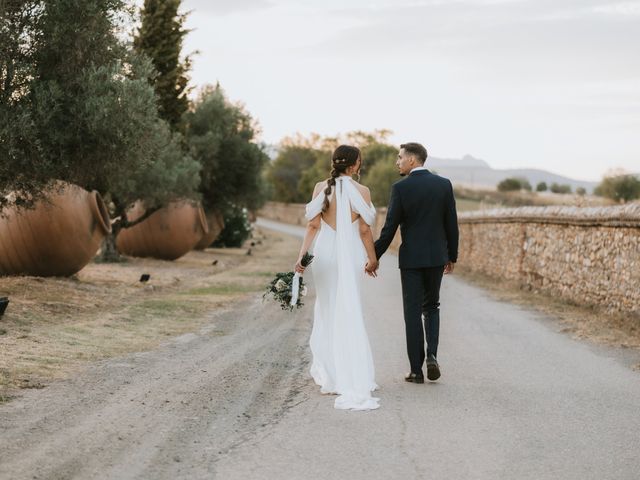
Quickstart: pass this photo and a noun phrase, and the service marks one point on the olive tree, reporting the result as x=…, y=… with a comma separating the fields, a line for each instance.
x=78, y=107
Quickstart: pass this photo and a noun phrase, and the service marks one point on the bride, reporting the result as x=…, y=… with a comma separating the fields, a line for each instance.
x=341, y=215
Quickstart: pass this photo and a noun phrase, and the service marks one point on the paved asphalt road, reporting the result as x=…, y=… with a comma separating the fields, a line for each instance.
x=517, y=400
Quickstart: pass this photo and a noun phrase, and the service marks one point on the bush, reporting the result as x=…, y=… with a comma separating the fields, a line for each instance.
x=237, y=227
x=542, y=187
x=581, y=191
x=562, y=189
x=510, y=185
x=621, y=188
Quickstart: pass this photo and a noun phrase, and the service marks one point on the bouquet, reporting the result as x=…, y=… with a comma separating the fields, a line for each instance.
x=289, y=288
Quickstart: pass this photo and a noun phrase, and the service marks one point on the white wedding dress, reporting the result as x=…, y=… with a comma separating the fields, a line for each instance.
x=342, y=360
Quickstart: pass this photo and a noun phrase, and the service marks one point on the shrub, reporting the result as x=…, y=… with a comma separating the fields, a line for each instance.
x=562, y=189
x=510, y=185
x=237, y=227
x=621, y=188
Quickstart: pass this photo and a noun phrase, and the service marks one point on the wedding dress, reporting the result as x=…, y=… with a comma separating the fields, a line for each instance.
x=342, y=360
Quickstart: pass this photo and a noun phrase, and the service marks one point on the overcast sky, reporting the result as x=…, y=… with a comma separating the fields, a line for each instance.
x=553, y=84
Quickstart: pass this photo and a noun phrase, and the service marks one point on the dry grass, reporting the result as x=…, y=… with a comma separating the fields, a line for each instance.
x=478, y=199
x=591, y=323
x=56, y=325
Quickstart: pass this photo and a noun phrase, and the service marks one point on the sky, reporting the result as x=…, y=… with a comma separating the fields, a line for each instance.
x=551, y=84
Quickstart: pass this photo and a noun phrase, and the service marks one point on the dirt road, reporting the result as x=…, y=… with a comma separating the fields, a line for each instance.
x=517, y=400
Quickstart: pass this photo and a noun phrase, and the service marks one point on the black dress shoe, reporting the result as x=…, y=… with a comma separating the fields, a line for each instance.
x=433, y=369
x=414, y=377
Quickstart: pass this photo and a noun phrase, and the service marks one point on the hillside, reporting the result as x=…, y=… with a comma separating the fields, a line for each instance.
x=473, y=172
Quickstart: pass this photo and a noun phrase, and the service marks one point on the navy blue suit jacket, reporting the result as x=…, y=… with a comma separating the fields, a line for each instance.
x=423, y=206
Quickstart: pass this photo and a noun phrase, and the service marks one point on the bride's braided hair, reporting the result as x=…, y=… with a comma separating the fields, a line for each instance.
x=344, y=156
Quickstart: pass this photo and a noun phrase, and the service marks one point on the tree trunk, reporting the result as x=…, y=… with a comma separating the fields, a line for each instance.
x=109, y=253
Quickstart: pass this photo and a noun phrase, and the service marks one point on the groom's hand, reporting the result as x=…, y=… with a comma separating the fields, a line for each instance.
x=448, y=268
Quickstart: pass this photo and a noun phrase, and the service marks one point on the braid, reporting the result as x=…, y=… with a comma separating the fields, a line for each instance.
x=327, y=191
x=343, y=157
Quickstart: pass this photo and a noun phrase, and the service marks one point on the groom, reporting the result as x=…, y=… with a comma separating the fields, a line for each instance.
x=422, y=204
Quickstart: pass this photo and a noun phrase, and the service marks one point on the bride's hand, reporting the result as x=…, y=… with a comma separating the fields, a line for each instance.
x=371, y=268
x=298, y=268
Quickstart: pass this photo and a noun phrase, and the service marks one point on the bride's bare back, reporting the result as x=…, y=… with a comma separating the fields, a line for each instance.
x=329, y=217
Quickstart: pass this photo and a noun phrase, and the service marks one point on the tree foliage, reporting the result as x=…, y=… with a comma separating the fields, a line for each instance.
x=619, y=187
x=558, y=188
x=317, y=172
x=304, y=161
x=81, y=109
x=18, y=24
x=73, y=111
x=542, y=187
x=18, y=27
x=221, y=137
x=515, y=184
x=170, y=167
x=379, y=179
x=510, y=185
x=85, y=113
x=287, y=172
x=160, y=37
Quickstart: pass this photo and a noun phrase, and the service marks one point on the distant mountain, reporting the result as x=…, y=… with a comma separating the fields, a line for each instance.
x=465, y=162
x=473, y=172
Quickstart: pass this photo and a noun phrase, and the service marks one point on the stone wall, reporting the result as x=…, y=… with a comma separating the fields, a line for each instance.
x=585, y=255
x=291, y=213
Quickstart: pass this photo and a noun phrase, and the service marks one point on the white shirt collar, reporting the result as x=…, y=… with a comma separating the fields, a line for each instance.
x=417, y=169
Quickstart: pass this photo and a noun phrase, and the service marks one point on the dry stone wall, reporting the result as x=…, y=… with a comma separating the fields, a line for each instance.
x=585, y=255
x=291, y=213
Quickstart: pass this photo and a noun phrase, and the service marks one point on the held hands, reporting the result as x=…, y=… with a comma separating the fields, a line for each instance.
x=448, y=268
x=371, y=268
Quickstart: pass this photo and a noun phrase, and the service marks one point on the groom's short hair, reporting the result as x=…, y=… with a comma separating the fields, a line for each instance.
x=415, y=149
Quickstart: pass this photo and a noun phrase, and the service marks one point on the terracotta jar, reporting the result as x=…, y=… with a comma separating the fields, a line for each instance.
x=167, y=234
x=57, y=237
x=215, y=220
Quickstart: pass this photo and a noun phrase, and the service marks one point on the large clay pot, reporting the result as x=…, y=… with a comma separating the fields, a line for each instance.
x=167, y=234
x=58, y=237
x=215, y=220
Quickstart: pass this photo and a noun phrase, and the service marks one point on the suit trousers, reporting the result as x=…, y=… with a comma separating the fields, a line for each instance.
x=421, y=299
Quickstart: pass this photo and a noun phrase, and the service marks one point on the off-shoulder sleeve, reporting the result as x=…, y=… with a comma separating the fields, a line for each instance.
x=314, y=207
x=359, y=205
